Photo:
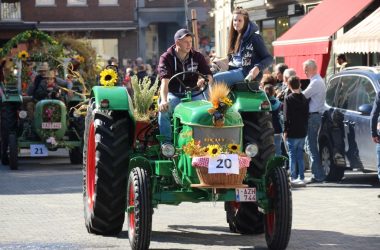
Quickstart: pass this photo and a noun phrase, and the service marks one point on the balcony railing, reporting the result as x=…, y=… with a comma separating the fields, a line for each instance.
x=10, y=11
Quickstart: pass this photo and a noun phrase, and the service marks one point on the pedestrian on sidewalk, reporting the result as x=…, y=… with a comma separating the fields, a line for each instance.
x=296, y=114
x=375, y=130
x=316, y=94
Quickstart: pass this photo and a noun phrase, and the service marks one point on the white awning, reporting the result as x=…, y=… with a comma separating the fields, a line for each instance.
x=363, y=38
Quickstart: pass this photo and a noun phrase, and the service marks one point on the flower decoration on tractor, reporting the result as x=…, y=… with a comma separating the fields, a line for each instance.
x=23, y=55
x=220, y=103
x=195, y=149
x=108, y=77
x=79, y=58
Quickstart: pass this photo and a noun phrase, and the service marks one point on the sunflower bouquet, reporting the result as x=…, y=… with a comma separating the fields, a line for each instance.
x=220, y=103
x=195, y=149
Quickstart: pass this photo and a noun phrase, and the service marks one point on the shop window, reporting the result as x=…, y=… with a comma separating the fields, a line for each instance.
x=108, y=2
x=282, y=25
x=45, y=2
x=268, y=33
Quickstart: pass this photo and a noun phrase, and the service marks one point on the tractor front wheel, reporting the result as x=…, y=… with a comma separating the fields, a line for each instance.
x=139, y=209
x=278, y=221
x=106, y=143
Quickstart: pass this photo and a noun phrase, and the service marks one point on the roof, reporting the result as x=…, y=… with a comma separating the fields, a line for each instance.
x=363, y=38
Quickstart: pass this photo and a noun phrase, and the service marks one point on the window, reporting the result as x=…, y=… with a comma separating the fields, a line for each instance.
x=330, y=92
x=10, y=11
x=77, y=2
x=108, y=2
x=45, y=2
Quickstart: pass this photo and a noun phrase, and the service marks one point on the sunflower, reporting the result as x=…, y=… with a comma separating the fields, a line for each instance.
x=108, y=77
x=79, y=58
x=23, y=55
x=214, y=150
x=233, y=148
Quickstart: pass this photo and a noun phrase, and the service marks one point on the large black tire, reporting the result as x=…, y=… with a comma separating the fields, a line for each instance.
x=13, y=151
x=76, y=155
x=278, y=222
x=104, y=170
x=332, y=171
x=245, y=217
x=140, y=209
x=8, y=126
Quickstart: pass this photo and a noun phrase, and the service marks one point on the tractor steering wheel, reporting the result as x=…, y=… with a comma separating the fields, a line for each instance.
x=186, y=88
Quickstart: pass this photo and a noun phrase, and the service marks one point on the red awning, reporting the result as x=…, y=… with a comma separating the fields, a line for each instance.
x=310, y=38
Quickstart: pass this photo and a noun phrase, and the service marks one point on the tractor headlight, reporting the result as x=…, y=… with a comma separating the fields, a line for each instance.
x=22, y=114
x=168, y=150
x=251, y=150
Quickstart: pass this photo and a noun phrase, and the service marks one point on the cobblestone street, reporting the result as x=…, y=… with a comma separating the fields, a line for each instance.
x=41, y=208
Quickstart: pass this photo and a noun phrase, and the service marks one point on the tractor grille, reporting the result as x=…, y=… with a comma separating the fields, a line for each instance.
x=213, y=135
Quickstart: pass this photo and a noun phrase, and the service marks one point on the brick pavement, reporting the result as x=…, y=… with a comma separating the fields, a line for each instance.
x=41, y=208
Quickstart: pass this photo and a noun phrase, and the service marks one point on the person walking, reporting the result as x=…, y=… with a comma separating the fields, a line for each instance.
x=375, y=130
x=180, y=57
x=316, y=94
x=248, y=56
x=296, y=114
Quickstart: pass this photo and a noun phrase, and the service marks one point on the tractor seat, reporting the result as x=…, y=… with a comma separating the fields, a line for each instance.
x=243, y=86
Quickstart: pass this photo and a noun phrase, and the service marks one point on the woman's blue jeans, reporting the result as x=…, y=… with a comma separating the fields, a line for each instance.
x=295, y=147
x=378, y=159
x=165, y=117
x=230, y=77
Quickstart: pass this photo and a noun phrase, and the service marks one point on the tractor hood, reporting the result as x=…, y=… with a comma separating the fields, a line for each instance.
x=196, y=113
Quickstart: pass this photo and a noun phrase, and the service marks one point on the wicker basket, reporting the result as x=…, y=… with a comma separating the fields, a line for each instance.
x=220, y=179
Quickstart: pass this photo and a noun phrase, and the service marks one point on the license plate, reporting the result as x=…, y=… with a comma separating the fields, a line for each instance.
x=37, y=150
x=51, y=125
x=245, y=194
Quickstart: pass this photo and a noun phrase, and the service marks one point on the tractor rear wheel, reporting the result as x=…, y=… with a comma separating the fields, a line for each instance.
x=13, y=151
x=106, y=143
x=8, y=125
x=76, y=155
x=245, y=217
x=278, y=222
x=139, y=209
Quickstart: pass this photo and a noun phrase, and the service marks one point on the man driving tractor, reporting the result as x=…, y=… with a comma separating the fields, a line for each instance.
x=180, y=57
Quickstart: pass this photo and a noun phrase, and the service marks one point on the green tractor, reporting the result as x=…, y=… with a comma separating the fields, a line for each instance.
x=129, y=171
x=50, y=125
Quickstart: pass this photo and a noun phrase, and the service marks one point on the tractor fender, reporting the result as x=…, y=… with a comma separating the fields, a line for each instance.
x=141, y=162
x=118, y=98
x=274, y=162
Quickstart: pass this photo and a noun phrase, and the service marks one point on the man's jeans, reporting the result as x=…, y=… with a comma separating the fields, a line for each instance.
x=229, y=77
x=378, y=159
x=165, y=117
x=295, y=146
x=277, y=143
x=311, y=144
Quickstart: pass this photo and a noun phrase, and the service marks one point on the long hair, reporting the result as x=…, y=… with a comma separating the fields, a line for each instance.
x=234, y=36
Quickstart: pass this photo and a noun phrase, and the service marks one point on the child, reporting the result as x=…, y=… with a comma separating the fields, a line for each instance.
x=276, y=121
x=296, y=114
